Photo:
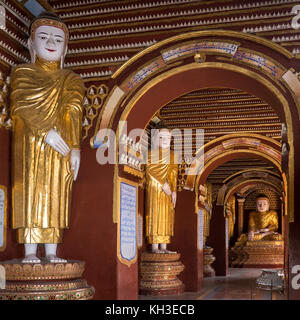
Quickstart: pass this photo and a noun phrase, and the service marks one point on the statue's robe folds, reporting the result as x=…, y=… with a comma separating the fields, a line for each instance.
x=159, y=206
x=263, y=220
x=43, y=97
x=268, y=219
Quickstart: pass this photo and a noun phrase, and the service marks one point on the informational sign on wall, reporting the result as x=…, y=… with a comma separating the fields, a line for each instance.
x=128, y=222
x=3, y=200
x=2, y=278
x=226, y=232
x=200, y=229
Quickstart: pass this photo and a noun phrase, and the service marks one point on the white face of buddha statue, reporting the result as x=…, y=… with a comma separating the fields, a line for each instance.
x=262, y=205
x=49, y=43
x=163, y=139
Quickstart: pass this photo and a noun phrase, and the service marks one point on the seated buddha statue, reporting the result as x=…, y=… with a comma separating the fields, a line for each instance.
x=263, y=223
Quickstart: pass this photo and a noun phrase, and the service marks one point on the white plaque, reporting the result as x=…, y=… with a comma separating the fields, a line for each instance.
x=226, y=233
x=200, y=229
x=2, y=277
x=2, y=217
x=128, y=217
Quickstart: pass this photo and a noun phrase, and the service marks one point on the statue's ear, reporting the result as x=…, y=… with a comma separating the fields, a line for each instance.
x=62, y=59
x=31, y=50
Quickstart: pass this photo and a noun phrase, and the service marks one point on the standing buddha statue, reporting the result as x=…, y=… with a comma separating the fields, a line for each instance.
x=46, y=112
x=161, y=192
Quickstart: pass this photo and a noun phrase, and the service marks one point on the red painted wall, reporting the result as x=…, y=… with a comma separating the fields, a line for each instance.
x=185, y=241
x=217, y=240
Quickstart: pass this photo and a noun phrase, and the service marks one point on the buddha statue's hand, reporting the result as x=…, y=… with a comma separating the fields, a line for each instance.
x=264, y=230
x=166, y=189
x=251, y=235
x=174, y=198
x=54, y=139
x=75, y=162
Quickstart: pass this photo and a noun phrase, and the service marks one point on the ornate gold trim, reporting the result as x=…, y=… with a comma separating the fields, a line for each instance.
x=21, y=286
x=150, y=256
x=238, y=135
x=206, y=33
x=249, y=170
x=255, y=180
x=252, y=75
x=96, y=79
x=230, y=151
x=85, y=293
x=134, y=172
x=17, y=271
x=264, y=56
x=201, y=51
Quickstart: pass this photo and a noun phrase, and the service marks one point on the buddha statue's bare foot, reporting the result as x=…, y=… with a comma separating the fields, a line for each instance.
x=168, y=251
x=157, y=251
x=31, y=258
x=54, y=259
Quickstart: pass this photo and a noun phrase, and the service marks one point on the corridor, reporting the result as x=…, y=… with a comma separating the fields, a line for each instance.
x=239, y=284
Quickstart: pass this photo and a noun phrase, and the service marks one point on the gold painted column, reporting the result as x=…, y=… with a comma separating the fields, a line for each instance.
x=241, y=202
x=282, y=216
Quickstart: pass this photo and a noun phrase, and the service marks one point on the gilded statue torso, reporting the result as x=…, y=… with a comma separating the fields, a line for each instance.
x=159, y=208
x=262, y=220
x=43, y=97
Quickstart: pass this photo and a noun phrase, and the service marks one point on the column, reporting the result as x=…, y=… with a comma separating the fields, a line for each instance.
x=241, y=202
x=282, y=217
x=217, y=240
x=185, y=241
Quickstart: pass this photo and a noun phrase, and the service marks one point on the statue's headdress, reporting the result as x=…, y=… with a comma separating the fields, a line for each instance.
x=50, y=19
x=160, y=126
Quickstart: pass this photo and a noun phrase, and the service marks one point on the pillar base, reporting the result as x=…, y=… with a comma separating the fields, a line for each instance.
x=45, y=281
x=208, y=259
x=258, y=254
x=159, y=274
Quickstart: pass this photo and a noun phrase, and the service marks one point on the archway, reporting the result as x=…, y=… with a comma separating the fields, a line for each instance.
x=202, y=61
x=216, y=153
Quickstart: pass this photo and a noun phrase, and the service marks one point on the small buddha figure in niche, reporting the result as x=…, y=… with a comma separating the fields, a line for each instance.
x=161, y=192
x=46, y=112
x=263, y=223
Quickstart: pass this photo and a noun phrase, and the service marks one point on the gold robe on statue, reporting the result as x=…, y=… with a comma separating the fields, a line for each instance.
x=43, y=97
x=268, y=219
x=159, y=206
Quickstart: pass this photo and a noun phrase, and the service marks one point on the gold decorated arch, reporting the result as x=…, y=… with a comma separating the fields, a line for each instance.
x=235, y=52
x=249, y=177
x=232, y=145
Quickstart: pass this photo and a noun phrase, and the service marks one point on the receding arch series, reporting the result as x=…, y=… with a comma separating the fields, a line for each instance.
x=136, y=96
x=151, y=79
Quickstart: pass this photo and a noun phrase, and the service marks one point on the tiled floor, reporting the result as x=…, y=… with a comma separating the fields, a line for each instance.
x=239, y=284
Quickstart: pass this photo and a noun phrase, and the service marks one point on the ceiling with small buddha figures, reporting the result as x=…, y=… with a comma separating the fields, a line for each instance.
x=104, y=33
